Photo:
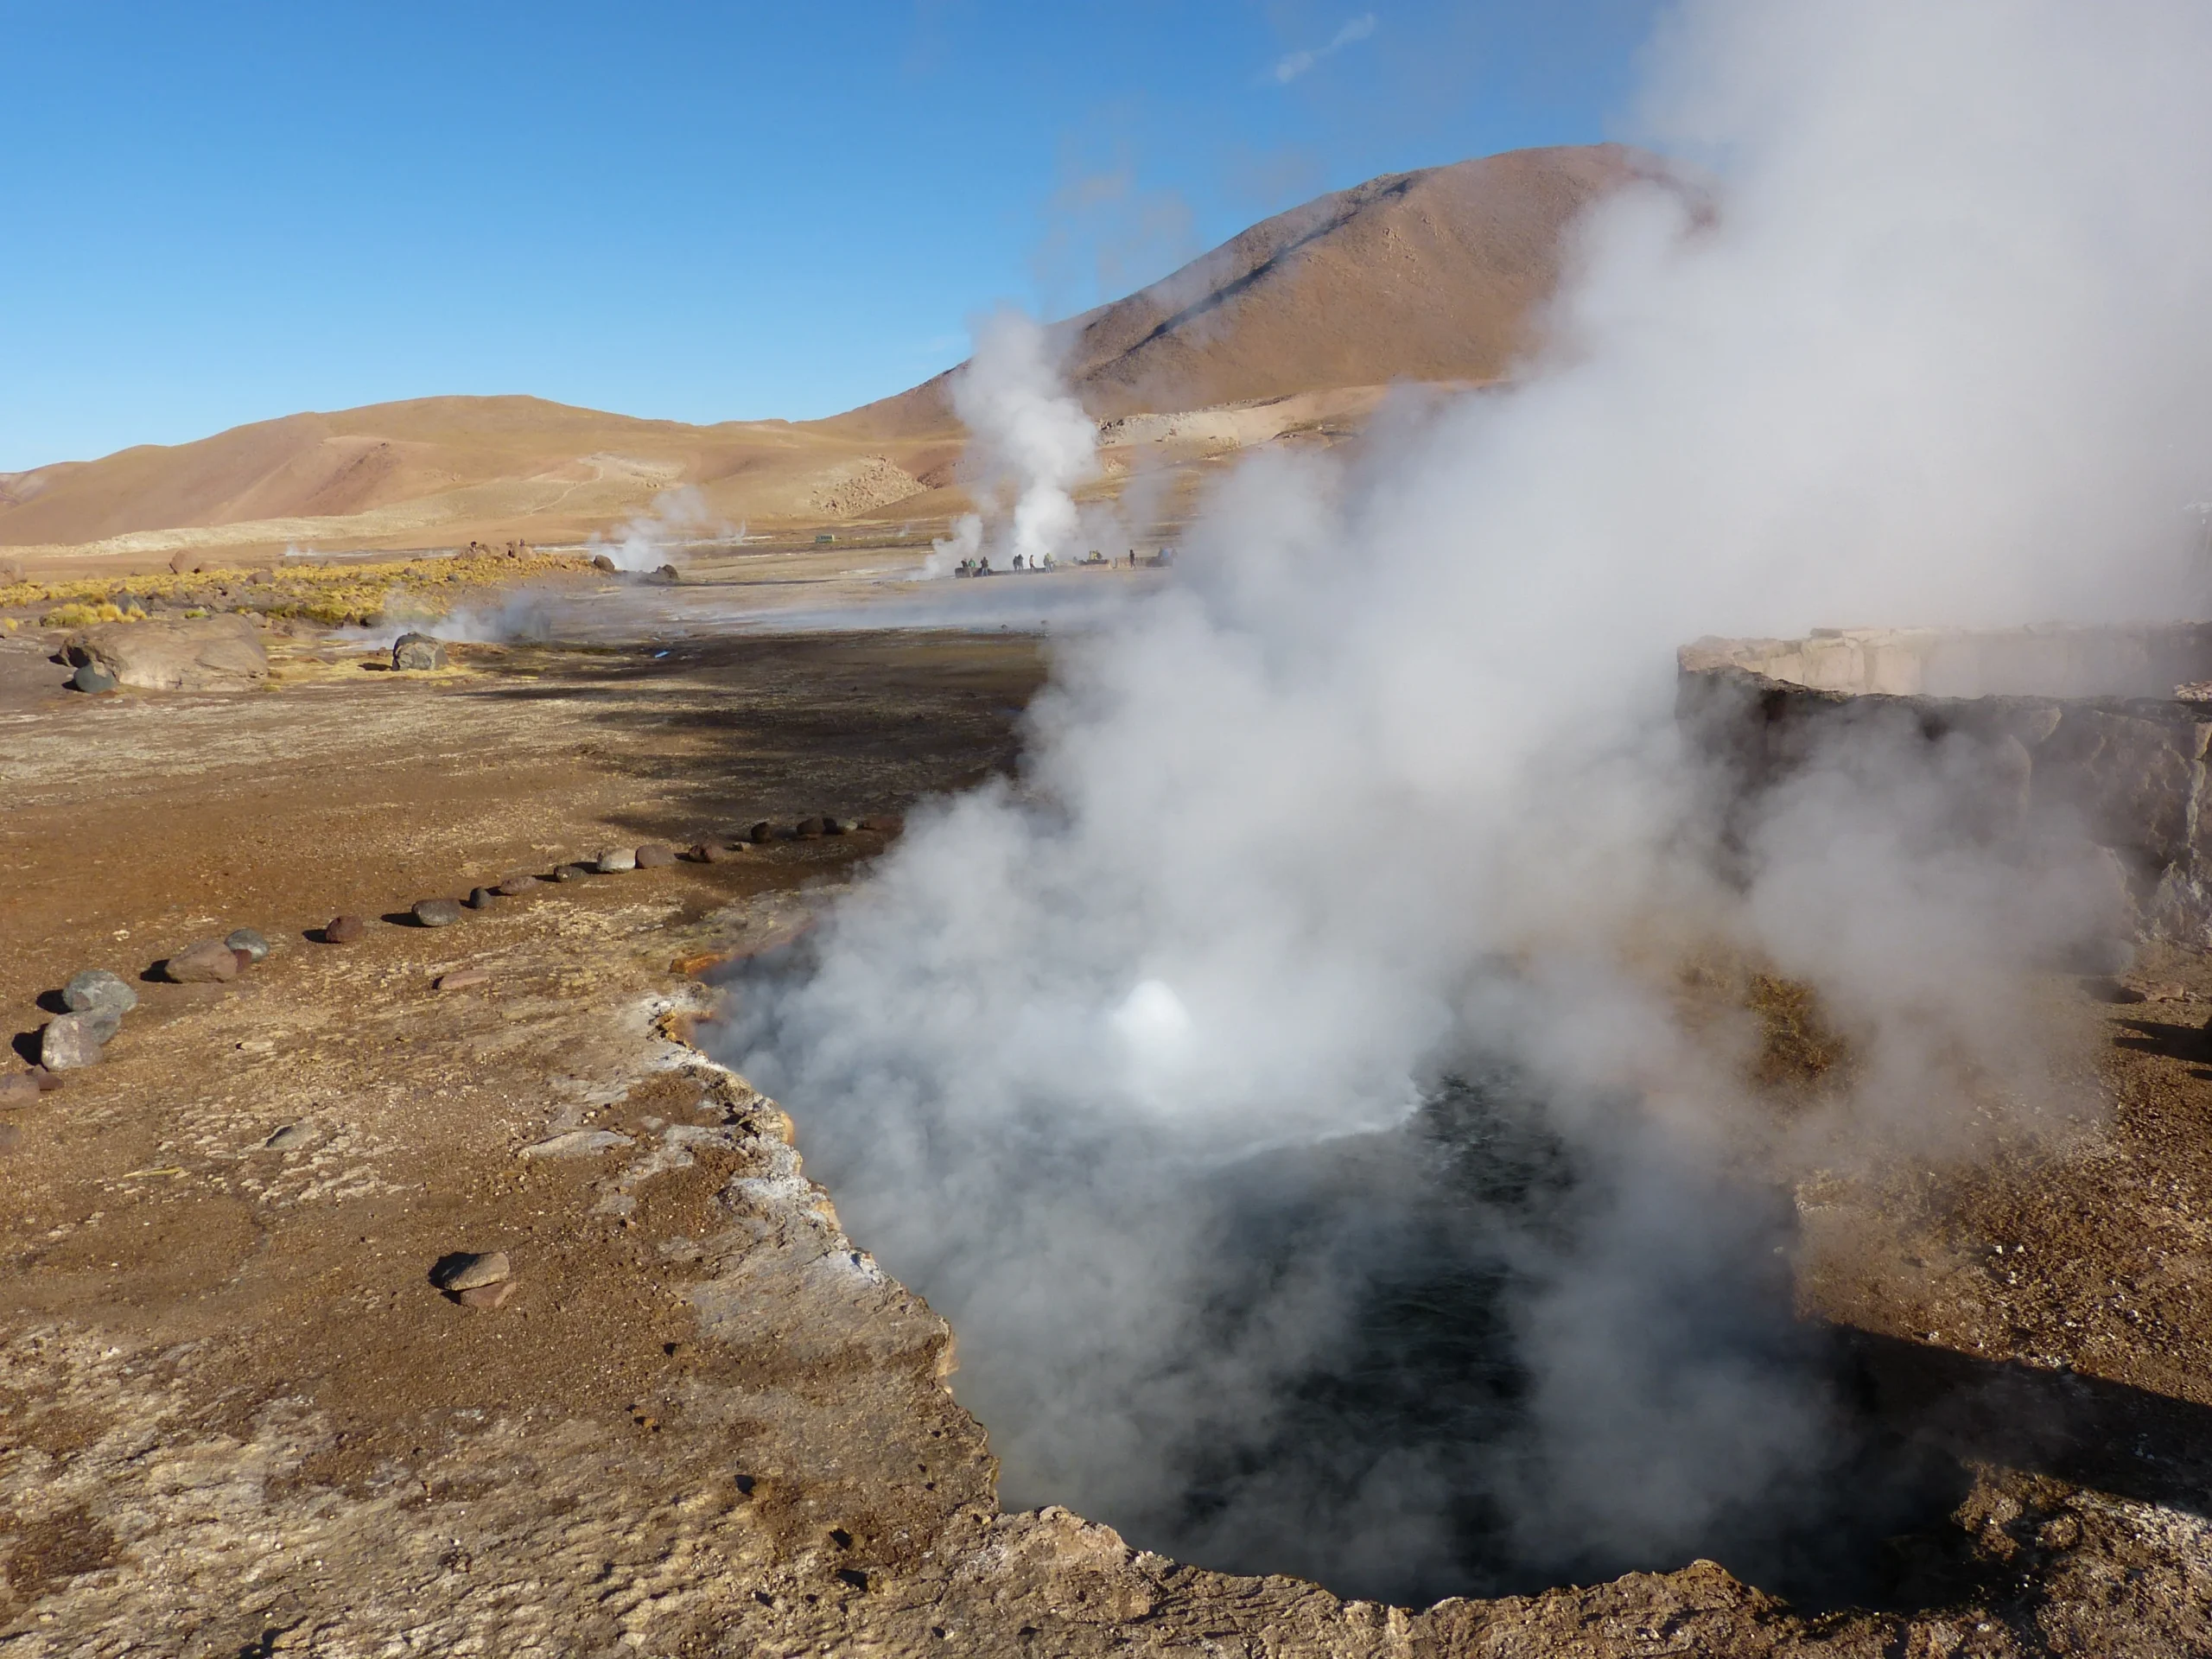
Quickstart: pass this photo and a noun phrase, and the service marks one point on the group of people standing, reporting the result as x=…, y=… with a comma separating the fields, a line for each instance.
x=981, y=567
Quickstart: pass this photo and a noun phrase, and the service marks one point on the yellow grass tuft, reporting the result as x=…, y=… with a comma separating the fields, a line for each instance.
x=331, y=594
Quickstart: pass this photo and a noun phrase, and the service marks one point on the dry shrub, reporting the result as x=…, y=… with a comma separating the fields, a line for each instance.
x=330, y=595
x=1799, y=1051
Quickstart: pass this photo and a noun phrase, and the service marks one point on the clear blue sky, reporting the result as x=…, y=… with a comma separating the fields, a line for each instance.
x=222, y=212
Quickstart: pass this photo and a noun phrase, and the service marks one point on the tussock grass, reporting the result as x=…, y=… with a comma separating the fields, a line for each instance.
x=331, y=594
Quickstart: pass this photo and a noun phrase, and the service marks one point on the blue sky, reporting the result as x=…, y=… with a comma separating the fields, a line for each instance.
x=221, y=212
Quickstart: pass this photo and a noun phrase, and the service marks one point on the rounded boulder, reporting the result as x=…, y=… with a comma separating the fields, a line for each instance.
x=207, y=962
x=96, y=988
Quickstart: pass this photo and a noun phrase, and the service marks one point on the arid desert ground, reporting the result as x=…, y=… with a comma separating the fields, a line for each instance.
x=238, y=1413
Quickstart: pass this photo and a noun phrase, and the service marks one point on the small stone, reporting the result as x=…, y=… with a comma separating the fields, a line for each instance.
x=654, y=858
x=290, y=1137
x=600, y=561
x=343, y=929
x=762, y=832
x=571, y=872
x=468, y=1270
x=47, y=1081
x=515, y=885
x=203, y=962
x=480, y=897
x=809, y=828
x=668, y=573
x=486, y=1296
x=75, y=1040
x=95, y=988
x=92, y=678
x=246, y=939
x=437, y=912
x=883, y=823
x=714, y=852
x=832, y=826
x=463, y=978
x=17, y=1091
x=616, y=859
x=415, y=651
x=258, y=1046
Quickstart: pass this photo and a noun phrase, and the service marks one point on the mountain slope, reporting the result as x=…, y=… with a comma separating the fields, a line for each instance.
x=1434, y=274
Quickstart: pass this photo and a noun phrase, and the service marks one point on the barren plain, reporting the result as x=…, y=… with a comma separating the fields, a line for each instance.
x=237, y=1416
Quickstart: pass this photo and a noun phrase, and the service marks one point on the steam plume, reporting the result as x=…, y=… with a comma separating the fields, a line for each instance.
x=657, y=536
x=1124, y=1064
x=1030, y=446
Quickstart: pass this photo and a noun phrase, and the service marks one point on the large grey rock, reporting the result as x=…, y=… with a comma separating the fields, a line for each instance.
x=75, y=1040
x=419, y=651
x=437, y=912
x=616, y=859
x=213, y=653
x=248, y=940
x=96, y=988
x=205, y=962
x=93, y=678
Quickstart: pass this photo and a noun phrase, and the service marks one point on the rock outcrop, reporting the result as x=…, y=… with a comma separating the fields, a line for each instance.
x=213, y=653
x=2118, y=778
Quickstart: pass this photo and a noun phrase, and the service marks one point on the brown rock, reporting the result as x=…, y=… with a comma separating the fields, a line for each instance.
x=203, y=962
x=47, y=1081
x=761, y=832
x=18, y=1090
x=462, y=978
x=714, y=852
x=468, y=1270
x=486, y=1296
x=655, y=858
x=213, y=653
x=809, y=828
x=343, y=929
x=516, y=885
x=884, y=824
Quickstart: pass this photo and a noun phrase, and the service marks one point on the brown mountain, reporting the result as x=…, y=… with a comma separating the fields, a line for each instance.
x=1437, y=274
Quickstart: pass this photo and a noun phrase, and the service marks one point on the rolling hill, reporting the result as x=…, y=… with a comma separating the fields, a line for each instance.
x=1437, y=274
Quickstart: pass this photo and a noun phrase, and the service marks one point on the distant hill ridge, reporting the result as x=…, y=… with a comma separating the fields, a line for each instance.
x=1434, y=274
x=1437, y=274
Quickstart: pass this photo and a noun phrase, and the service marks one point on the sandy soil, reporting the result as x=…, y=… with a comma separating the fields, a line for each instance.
x=237, y=1418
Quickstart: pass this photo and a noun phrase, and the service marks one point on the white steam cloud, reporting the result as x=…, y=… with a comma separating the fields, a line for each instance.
x=662, y=532
x=1382, y=803
x=1030, y=447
